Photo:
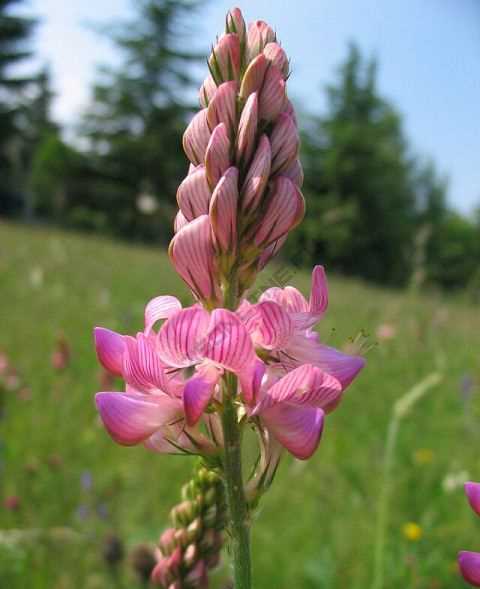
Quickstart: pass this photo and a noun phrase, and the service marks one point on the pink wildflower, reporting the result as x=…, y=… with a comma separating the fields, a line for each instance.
x=469, y=562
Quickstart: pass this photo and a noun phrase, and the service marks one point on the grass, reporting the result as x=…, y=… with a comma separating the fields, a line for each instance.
x=316, y=527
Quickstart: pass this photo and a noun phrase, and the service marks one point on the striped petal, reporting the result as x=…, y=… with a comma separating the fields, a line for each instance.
x=319, y=291
x=110, y=347
x=298, y=429
x=198, y=392
x=295, y=172
x=257, y=176
x=179, y=222
x=247, y=131
x=160, y=308
x=132, y=418
x=224, y=62
x=223, y=108
x=223, y=211
x=181, y=339
x=142, y=367
x=285, y=141
x=207, y=91
x=196, y=138
x=193, y=194
x=472, y=490
x=269, y=325
x=273, y=97
x=469, y=563
x=259, y=34
x=254, y=76
x=277, y=57
x=192, y=253
x=217, y=154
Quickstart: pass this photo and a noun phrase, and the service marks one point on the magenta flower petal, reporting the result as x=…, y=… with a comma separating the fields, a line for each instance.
x=179, y=222
x=285, y=141
x=295, y=172
x=192, y=253
x=319, y=291
x=269, y=325
x=160, y=308
x=110, y=347
x=223, y=211
x=132, y=418
x=196, y=138
x=193, y=194
x=472, y=490
x=223, y=108
x=257, y=176
x=142, y=368
x=181, y=339
x=469, y=563
x=217, y=155
x=298, y=429
x=198, y=392
x=247, y=130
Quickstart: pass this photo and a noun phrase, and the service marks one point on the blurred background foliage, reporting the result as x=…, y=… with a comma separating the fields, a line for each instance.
x=370, y=197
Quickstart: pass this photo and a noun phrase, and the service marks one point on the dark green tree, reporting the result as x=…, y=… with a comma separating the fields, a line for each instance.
x=138, y=116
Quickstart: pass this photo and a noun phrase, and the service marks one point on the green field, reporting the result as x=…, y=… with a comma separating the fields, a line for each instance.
x=315, y=529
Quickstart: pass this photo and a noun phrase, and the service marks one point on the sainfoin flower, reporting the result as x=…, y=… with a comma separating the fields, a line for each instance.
x=469, y=562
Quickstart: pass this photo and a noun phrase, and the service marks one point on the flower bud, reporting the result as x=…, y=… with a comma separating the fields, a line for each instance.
x=223, y=108
x=295, y=172
x=161, y=574
x=194, y=529
x=190, y=555
x=257, y=176
x=196, y=138
x=254, y=76
x=277, y=57
x=217, y=155
x=223, y=212
x=224, y=62
x=247, y=130
x=272, y=96
x=193, y=194
x=197, y=577
x=179, y=222
x=259, y=34
x=207, y=91
x=284, y=142
x=181, y=537
x=235, y=23
x=182, y=513
x=167, y=541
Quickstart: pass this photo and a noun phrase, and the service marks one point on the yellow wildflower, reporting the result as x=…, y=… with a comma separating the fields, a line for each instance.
x=412, y=531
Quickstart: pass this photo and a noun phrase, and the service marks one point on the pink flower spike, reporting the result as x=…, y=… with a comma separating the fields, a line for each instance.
x=207, y=91
x=285, y=142
x=258, y=36
x=472, y=490
x=223, y=108
x=181, y=339
x=272, y=96
x=196, y=138
x=193, y=194
x=235, y=22
x=284, y=211
x=224, y=62
x=179, y=222
x=110, y=347
x=131, y=418
x=223, y=211
x=192, y=253
x=277, y=57
x=247, y=130
x=160, y=308
x=469, y=563
x=254, y=76
x=198, y=392
x=257, y=176
x=217, y=155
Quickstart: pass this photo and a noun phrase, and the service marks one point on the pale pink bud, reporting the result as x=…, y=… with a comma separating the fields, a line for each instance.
x=224, y=62
x=223, y=211
x=192, y=254
x=284, y=142
x=285, y=210
x=272, y=97
x=161, y=574
x=197, y=577
x=179, y=222
x=271, y=251
x=235, y=22
x=193, y=194
x=289, y=110
x=167, y=541
x=196, y=137
x=207, y=91
x=223, y=107
x=176, y=585
x=191, y=555
x=217, y=154
x=247, y=130
x=295, y=172
x=259, y=34
x=257, y=175
x=277, y=57
x=181, y=537
x=254, y=76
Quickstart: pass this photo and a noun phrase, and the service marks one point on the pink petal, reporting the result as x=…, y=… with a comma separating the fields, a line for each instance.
x=235, y=22
x=319, y=291
x=196, y=137
x=192, y=253
x=469, y=563
x=223, y=107
x=285, y=141
x=181, y=339
x=223, y=211
x=272, y=96
x=131, y=418
x=271, y=251
x=160, y=308
x=259, y=34
x=110, y=347
x=277, y=57
x=290, y=298
x=282, y=213
x=193, y=194
x=472, y=490
x=179, y=222
x=254, y=76
x=295, y=172
x=224, y=63
x=142, y=368
x=217, y=154
x=298, y=429
x=198, y=392
x=207, y=91
x=247, y=131
x=269, y=325
x=257, y=176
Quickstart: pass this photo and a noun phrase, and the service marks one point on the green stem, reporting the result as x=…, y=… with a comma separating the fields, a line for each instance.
x=238, y=518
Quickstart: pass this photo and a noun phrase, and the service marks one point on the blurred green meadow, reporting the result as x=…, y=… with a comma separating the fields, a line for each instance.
x=66, y=487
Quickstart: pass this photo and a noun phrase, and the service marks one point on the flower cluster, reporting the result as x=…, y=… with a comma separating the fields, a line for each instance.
x=469, y=562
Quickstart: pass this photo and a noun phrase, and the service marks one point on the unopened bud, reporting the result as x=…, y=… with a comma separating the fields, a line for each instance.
x=224, y=62
x=194, y=529
x=235, y=23
x=190, y=555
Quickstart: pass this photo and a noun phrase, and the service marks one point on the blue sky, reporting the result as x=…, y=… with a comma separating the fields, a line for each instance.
x=428, y=50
